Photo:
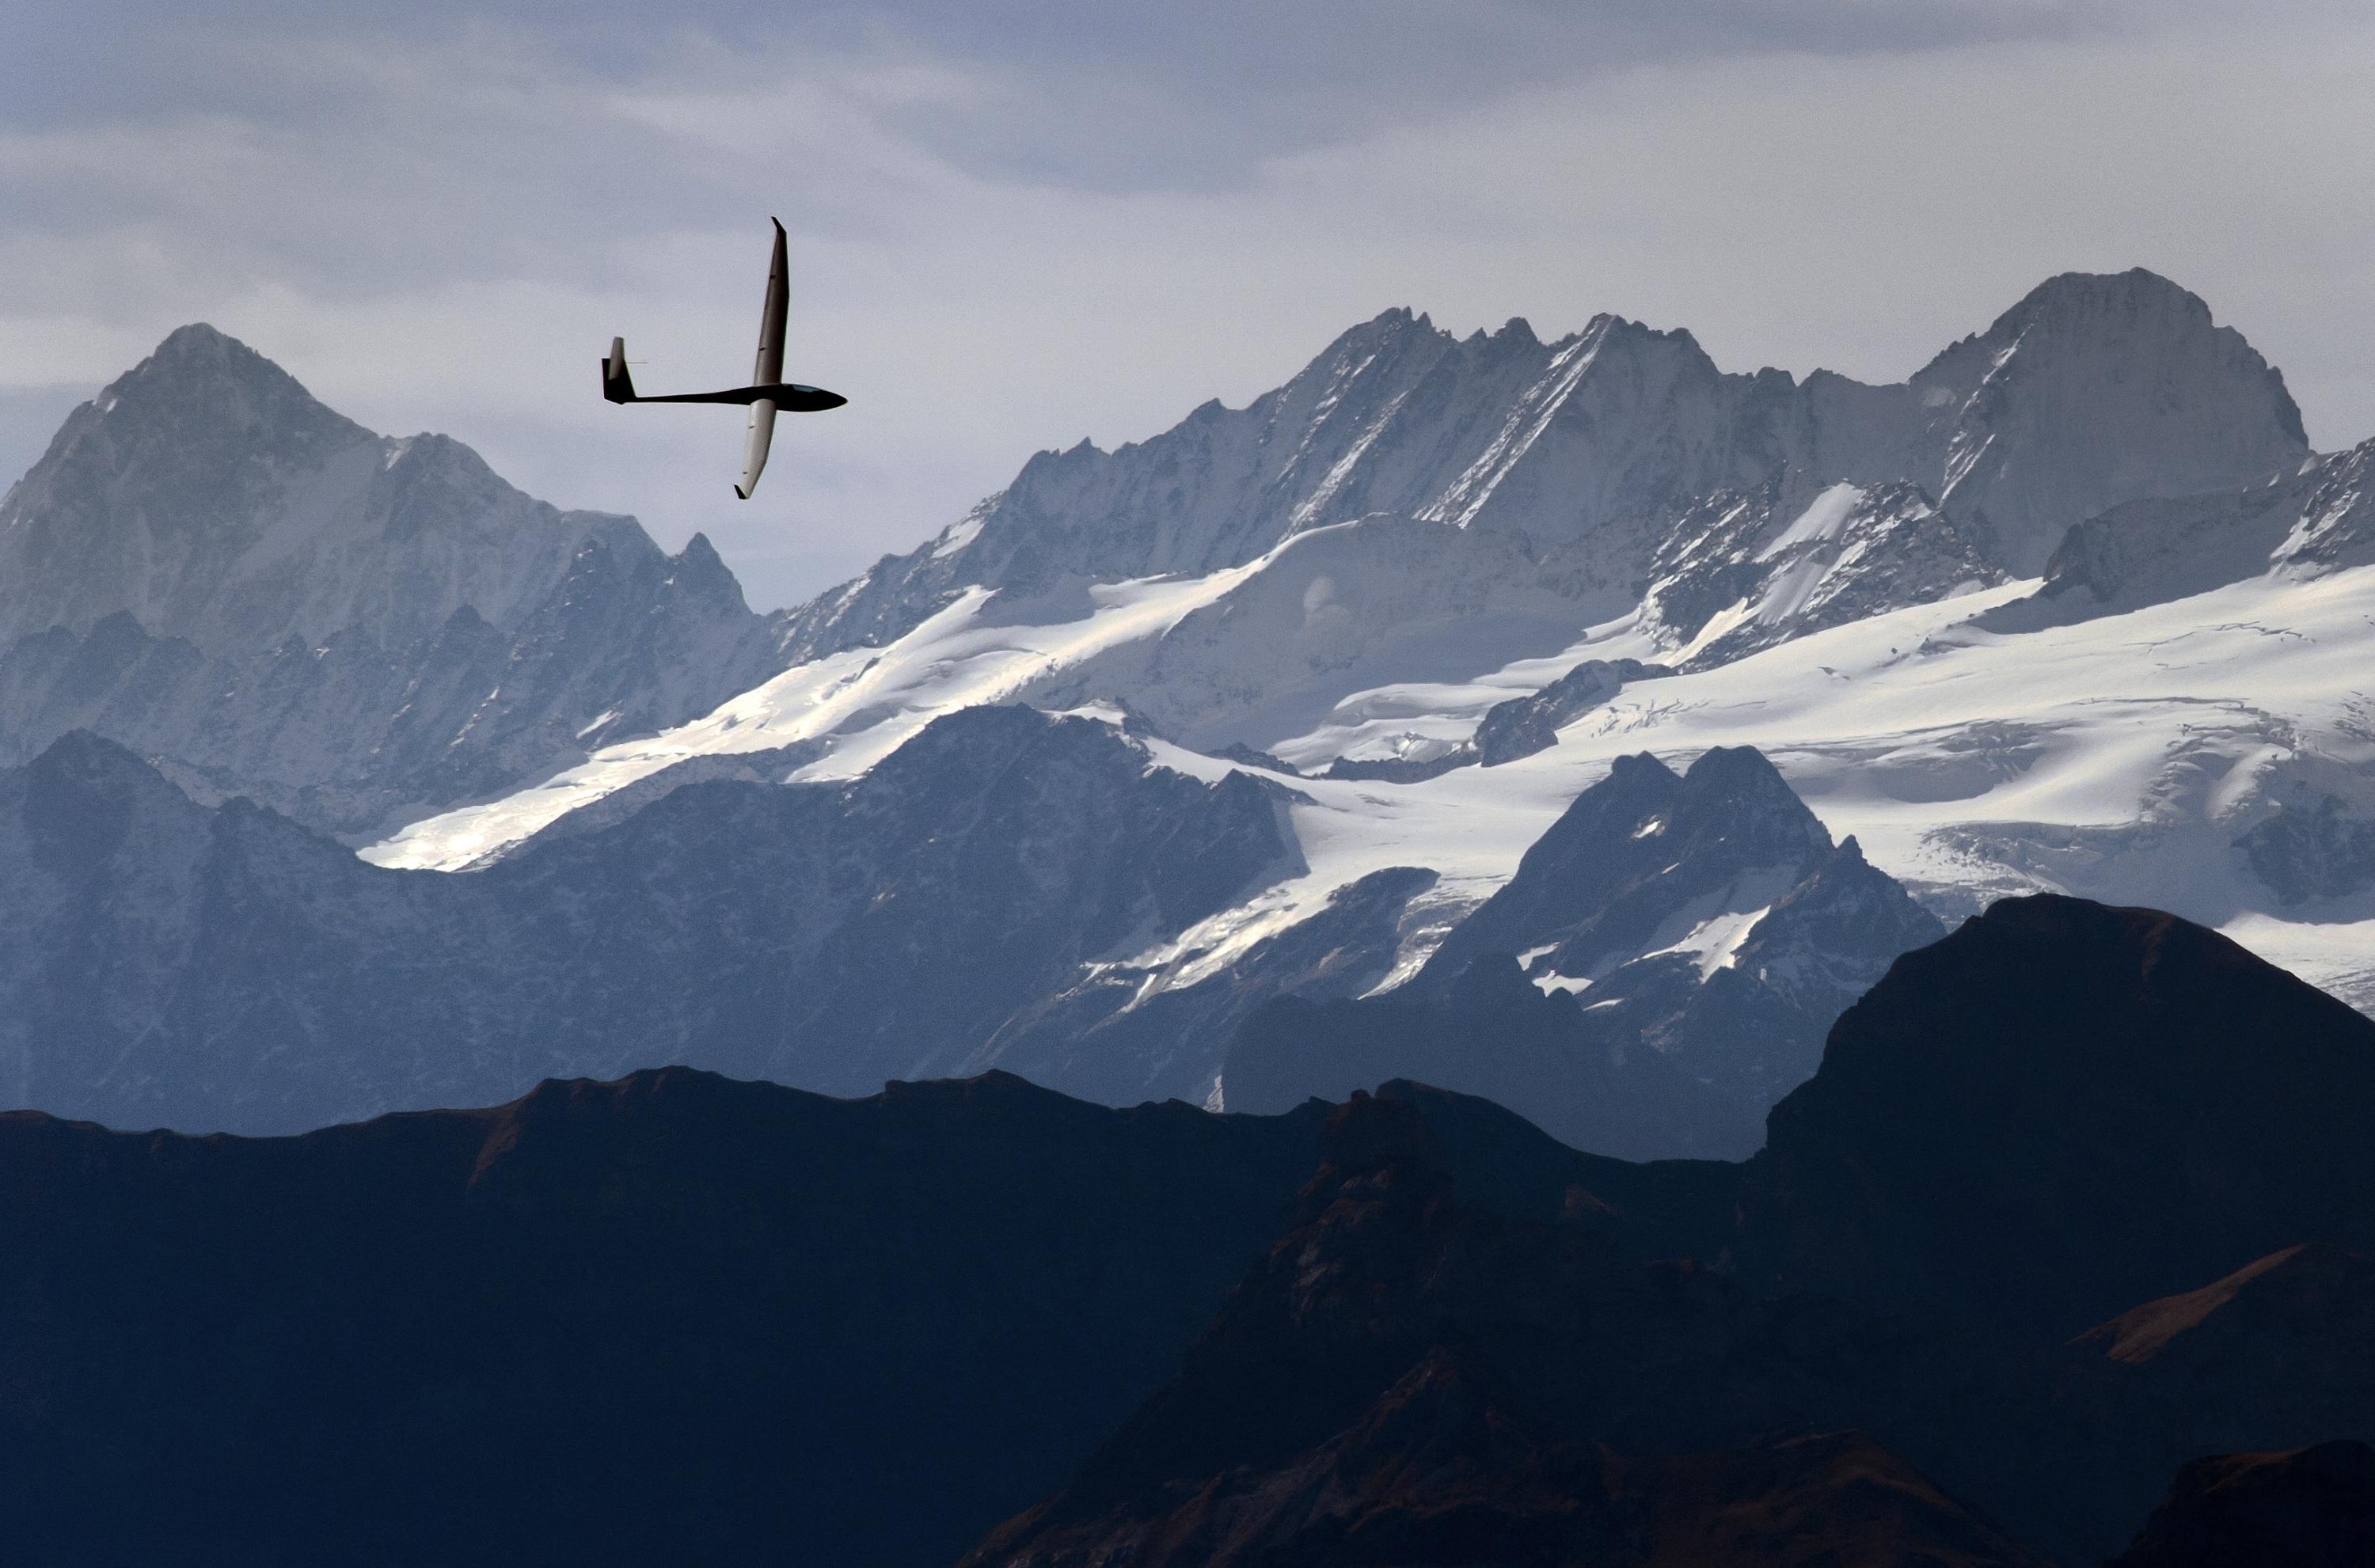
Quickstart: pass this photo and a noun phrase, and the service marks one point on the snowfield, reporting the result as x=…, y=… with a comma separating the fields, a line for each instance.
x=2118, y=758
x=867, y=702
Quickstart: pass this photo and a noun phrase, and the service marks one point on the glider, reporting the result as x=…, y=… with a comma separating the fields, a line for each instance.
x=768, y=393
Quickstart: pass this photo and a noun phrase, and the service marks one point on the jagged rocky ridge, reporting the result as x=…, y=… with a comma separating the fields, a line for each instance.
x=678, y=1315
x=1010, y=888
x=1741, y=571
x=1587, y=472
x=355, y=630
x=2090, y=390
x=217, y=570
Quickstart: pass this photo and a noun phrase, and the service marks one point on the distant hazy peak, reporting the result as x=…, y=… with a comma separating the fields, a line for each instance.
x=211, y=496
x=206, y=373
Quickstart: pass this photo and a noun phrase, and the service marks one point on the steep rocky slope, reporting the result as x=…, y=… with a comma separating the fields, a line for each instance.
x=2312, y=1508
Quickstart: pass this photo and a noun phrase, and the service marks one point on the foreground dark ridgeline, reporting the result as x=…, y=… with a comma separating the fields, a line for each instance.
x=1411, y=1378
x=2061, y=1110
x=681, y=1320
x=671, y=1319
x=2312, y=1508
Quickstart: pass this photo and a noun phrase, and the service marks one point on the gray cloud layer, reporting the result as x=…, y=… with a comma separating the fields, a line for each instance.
x=1017, y=225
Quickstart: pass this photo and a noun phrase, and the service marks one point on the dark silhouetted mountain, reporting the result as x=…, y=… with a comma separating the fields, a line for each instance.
x=213, y=569
x=1412, y=1378
x=2276, y=1355
x=2312, y=1508
x=2064, y=1109
x=672, y=1319
x=2062, y=1105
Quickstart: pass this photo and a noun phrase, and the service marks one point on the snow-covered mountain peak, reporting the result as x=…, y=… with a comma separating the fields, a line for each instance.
x=1639, y=862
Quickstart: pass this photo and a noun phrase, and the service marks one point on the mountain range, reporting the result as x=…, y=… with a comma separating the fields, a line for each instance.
x=2074, y=608
x=1437, y=697
x=959, y=907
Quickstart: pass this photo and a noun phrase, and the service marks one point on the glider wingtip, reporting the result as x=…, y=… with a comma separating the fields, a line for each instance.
x=778, y=223
x=742, y=494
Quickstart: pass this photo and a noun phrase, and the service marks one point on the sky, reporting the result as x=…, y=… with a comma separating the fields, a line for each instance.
x=1014, y=225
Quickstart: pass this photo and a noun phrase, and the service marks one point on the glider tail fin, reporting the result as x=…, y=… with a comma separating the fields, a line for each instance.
x=617, y=384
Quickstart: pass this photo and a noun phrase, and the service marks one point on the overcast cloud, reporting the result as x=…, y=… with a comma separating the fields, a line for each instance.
x=1015, y=226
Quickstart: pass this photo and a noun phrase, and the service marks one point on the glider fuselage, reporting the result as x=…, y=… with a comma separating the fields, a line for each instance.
x=768, y=393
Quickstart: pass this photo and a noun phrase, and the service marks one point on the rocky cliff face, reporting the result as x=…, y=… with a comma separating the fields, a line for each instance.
x=214, y=569
x=1741, y=571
